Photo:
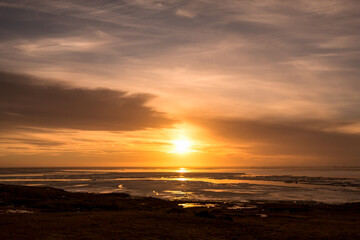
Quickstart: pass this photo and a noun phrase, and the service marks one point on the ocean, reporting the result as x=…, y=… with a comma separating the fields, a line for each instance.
x=322, y=184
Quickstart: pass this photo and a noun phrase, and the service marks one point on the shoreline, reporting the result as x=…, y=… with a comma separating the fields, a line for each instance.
x=26, y=209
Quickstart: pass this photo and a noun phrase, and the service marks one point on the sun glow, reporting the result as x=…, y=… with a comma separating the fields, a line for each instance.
x=182, y=146
x=182, y=170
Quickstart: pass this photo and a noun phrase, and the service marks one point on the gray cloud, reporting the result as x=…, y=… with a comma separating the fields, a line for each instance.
x=18, y=23
x=29, y=141
x=301, y=45
x=29, y=102
x=272, y=31
x=308, y=139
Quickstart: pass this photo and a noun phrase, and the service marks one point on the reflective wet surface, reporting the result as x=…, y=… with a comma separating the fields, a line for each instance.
x=332, y=185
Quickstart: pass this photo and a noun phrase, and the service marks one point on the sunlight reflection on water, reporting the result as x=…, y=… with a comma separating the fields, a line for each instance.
x=222, y=184
x=194, y=205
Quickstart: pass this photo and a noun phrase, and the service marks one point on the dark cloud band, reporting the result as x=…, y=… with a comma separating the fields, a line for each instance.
x=30, y=102
x=307, y=139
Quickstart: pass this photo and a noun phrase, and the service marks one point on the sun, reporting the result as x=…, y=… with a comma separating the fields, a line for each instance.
x=182, y=146
x=182, y=170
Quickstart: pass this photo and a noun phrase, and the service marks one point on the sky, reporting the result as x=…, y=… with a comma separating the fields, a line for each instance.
x=120, y=83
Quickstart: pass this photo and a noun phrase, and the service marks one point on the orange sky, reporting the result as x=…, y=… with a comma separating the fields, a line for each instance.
x=111, y=83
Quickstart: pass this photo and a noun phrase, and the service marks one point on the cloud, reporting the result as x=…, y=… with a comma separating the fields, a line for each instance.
x=246, y=52
x=295, y=140
x=20, y=23
x=185, y=13
x=30, y=102
x=29, y=141
x=268, y=59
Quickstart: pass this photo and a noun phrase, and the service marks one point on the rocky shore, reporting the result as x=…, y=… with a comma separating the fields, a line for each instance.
x=49, y=213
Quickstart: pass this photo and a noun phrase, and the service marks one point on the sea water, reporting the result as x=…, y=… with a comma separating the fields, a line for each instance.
x=323, y=184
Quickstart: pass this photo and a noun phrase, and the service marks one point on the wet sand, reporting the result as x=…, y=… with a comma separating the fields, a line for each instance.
x=49, y=213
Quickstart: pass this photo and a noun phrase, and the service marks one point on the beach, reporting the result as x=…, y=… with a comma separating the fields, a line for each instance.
x=50, y=213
